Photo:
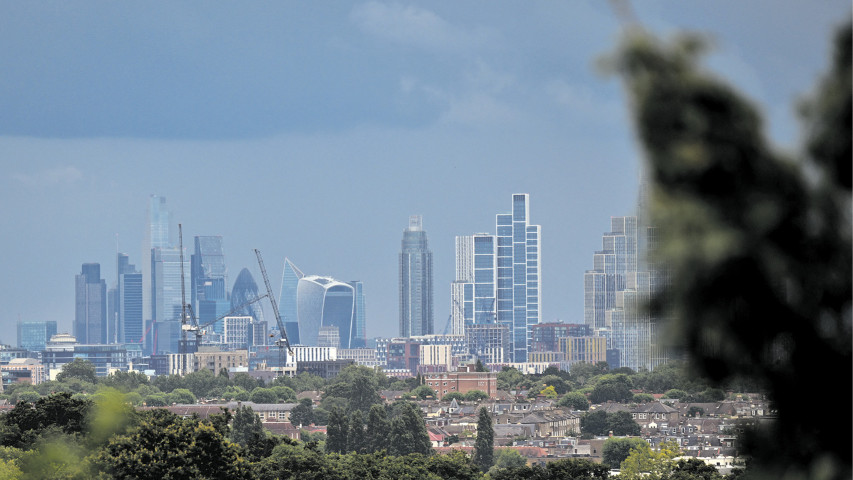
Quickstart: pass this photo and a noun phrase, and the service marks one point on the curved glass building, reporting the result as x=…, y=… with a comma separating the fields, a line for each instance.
x=245, y=289
x=324, y=302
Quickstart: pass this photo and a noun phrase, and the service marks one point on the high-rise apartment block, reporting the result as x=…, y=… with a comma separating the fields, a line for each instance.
x=616, y=292
x=90, y=318
x=519, y=300
x=498, y=278
x=416, y=294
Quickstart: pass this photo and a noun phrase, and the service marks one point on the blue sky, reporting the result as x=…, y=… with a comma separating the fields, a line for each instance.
x=312, y=130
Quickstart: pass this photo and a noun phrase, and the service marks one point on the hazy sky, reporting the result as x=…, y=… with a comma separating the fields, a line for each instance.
x=312, y=130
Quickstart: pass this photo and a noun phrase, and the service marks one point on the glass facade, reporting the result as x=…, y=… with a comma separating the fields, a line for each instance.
x=615, y=292
x=209, y=275
x=287, y=303
x=245, y=289
x=498, y=278
x=326, y=302
x=166, y=283
x=90, y=317
x=416, y=293
x=157, y=236
x=359, y=335
x=130, y=307
x=33, y=336
x=518, y=275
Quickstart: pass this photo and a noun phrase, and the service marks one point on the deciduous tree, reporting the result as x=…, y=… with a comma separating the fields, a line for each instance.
x=756, y=243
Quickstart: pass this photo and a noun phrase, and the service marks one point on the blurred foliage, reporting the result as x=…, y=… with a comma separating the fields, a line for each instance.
x=757, y=244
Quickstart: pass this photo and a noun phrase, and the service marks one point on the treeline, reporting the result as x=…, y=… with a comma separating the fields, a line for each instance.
x=103, y=437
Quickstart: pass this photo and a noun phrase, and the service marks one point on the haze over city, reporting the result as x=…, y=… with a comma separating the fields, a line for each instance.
x=313, y=132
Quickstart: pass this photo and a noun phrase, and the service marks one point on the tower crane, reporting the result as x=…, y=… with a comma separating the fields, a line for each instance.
x=199, y=329
x=188, y=320
x=281, y=342
x=449, y=317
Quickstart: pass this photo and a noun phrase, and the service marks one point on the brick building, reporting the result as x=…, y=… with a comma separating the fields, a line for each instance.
x=463, y=381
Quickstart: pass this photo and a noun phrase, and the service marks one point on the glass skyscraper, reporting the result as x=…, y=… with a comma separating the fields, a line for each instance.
x=616, y=291
x=209, y=295
x=309, y=303
x=129, y=308
x=416, y=295
x=473, y=292
x=359, y=333
x=245, y=289
x=90, y=317
x=33, y=336
x=326, y=302
x=518, y=289
x=287, y=300
x=498, y=278
x=157, y=236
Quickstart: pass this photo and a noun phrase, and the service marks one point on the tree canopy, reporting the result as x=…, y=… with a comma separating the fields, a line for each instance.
x=756, y=243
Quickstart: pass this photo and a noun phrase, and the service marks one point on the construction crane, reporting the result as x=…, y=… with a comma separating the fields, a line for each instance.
x=449, y=317
x=199, y=330
x=188, y=320
x=281, y=342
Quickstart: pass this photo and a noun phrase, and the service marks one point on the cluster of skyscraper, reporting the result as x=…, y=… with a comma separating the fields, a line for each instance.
x=497, y=285
x=495, y=298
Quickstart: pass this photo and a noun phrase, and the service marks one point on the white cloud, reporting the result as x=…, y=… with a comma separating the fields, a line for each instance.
x=414, y=26
x=49, y=177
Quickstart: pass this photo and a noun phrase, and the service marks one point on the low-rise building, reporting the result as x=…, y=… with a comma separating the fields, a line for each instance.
x=462, y=381
x=23, y=370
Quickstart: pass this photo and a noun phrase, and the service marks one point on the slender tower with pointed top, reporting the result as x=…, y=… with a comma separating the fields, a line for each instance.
x=415, y=281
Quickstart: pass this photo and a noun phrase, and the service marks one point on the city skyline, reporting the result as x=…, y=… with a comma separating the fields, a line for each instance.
x=317, y=130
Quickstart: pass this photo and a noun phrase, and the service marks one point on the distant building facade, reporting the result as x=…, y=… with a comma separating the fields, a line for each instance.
x=498, y=278
x=33, y=336
x=209, y=279
x=129, y=309
x=462, y=381
x=416, y=278
x=90, y=318
x=287, y=300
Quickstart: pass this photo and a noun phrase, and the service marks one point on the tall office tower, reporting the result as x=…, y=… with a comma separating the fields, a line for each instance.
x=287, y=301
x=518, y=279
x=129, y=302
x=415, y=281
x=359, y=333
x=166, y=283
x=324, y=301
x=472, y=295
x=90, y=318
x=166, y=298
x=209, y=296
x=245, y=290
x=156, y=236
x=33, y=336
